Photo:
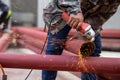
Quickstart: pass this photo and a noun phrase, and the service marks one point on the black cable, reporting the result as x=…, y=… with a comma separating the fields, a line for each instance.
x=48, y=31
x=45, y=28
x=45, y=40
x=28, y=74
x=40, y=53
x=4, y=76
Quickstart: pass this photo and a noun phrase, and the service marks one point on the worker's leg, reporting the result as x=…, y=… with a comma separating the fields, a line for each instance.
x=91, y=75
x=55, y=46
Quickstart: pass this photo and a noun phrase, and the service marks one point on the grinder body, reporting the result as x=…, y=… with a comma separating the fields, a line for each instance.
x=88, y=34
x=85, y=29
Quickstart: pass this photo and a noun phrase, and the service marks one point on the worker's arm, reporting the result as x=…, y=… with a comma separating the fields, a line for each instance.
x=73, y=8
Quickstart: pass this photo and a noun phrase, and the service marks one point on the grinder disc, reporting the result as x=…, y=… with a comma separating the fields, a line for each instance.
x=87, y=49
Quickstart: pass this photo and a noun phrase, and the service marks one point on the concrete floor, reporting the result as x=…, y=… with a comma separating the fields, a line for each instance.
x=20, y=74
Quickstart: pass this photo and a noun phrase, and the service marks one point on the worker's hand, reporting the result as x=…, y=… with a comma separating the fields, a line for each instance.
x=75, y=20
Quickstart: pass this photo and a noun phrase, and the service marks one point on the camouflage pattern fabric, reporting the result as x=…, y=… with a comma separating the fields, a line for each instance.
x=52, y=13
x=96, y=12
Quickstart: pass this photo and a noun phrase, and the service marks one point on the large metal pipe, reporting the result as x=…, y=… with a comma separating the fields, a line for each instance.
x=38, y=50
x=69, y=44
x=26, y=45
x=107, y=33
x=107, y=44
x=111, y=44
x=73, y=45
x=111, y=33
x=39, y=43
x=32, y=41
x=4, y=42
x=66, y=63
x=31, y=32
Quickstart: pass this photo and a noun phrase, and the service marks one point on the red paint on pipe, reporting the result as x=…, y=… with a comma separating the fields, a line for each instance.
x=107, y=44
x=4, y=42
x=73, y=45
x=38, y=50
x=111, y=44
x=32, y=41
x=38, y=43
x=68, y=53
x=30, y=32
x=66, y=63
x=26, y=45
x=33, y=28
x=107, y=33
x=111, y=33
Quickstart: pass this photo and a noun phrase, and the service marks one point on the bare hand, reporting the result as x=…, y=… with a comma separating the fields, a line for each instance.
x=75, y=20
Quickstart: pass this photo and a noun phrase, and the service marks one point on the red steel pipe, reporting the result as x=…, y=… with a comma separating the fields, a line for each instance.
x=106, y=33
x=32, y=41
x=38, y=50
x=31, y=32
x=73, y=45
x=14, y=28
x=111, y=33
x=4, y=42
x=107, y=44
x=68, y=53
x=26, y=45
x=66, y=63
x=39, y=44
x=106, y=76
x=111, y=44
x=28, y=27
